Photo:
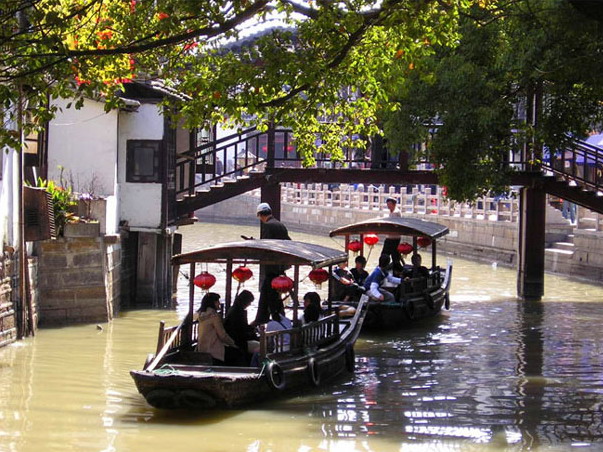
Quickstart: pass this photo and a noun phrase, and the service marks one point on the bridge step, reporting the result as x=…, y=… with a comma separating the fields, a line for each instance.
x=564, y=246
x=557, y=251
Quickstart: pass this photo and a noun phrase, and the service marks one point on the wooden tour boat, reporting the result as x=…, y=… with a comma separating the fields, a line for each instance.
x=178, y=376
x=416, y=298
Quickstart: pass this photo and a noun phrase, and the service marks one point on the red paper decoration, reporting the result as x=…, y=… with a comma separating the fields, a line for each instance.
x=318, y=276
x=354, y=246
x=404, y=248
x=282, y=284
x=242, y=274
x=204, y=280
x=371, y=239
x=423, y=241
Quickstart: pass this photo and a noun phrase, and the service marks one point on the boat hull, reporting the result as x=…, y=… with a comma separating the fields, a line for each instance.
x=400, y=314
x=205, y=387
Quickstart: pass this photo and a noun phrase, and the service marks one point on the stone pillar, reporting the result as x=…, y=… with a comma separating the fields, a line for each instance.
x=530, y=253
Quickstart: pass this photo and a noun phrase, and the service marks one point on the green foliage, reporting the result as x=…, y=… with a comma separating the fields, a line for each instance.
x=291, y=76
x=62, y=202
x=477, y=92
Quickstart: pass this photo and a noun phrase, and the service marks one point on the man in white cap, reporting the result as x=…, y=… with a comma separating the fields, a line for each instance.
x=271, y=228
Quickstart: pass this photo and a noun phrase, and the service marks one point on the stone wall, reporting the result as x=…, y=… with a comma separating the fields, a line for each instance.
x=78, y=280
x=8, y=328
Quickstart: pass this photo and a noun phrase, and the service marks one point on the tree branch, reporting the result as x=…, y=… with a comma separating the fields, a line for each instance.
x=207, y=32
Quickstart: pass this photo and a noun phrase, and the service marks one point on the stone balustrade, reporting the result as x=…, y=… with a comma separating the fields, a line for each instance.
x=427, y=200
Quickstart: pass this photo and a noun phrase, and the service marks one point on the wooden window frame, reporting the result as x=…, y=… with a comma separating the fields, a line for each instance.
x=131, y=161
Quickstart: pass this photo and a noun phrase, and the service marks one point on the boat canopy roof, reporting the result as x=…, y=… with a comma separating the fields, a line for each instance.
x=395, y=226
x=265, y=252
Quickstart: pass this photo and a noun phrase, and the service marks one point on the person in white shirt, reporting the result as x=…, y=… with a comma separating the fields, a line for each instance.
x=390, y=245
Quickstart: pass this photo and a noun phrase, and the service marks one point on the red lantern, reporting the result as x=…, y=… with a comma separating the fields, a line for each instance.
x=423, y=241
x=242, y=274
x=204, y=280
x=371, y=239
x=318, y=276
x=405, y=248
x=282, y=284
x=354, y=246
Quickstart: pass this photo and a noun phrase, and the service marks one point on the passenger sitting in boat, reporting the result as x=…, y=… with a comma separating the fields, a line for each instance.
x=238, y=328
x=279, y=322
x=418, y=270
x=358, y=272
x=312, y=307
x=345, y=287
x=213, y=339
x=415, y=279
x=377, y=277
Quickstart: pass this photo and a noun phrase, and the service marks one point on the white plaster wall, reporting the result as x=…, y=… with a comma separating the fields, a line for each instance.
x=9, y=202
x=84, y=143
x=9, y=223
x=139, y=203
x=112, y=221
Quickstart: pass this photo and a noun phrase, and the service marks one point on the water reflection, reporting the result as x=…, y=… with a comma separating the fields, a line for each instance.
x=491, y=374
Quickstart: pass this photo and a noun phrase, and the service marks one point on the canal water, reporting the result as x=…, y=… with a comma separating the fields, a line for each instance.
x=491, y=374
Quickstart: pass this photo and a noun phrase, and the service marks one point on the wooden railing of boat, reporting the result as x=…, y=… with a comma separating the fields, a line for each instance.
x=439, y=278
x=169, y=339
x=313, y=335
x=296, y=340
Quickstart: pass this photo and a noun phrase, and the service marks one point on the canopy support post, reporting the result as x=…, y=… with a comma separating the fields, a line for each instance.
x=188, y=325
x=295, y=292
x=228, y=295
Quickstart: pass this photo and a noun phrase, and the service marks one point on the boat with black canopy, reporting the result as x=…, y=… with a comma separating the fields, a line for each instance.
x=178, y=376
x=415, y=297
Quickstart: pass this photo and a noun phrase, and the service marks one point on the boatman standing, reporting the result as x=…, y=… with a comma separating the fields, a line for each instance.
x=271, y=228
x=390, y=245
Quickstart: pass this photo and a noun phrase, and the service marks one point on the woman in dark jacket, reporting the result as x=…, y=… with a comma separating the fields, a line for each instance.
x=236, y=324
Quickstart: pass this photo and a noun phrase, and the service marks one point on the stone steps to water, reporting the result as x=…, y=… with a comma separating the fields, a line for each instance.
x=568, y=246
x=558, y=251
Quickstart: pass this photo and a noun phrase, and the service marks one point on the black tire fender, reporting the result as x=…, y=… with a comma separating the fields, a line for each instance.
x=447, y=301
x=276, y=376
x=162, y=398
x=350, y=358
x=314, y=372
x=189, y=398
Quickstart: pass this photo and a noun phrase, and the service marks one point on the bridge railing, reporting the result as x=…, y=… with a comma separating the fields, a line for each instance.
x=424, y=200
x=227, y=157
x=582, y=164
x=250, y=150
